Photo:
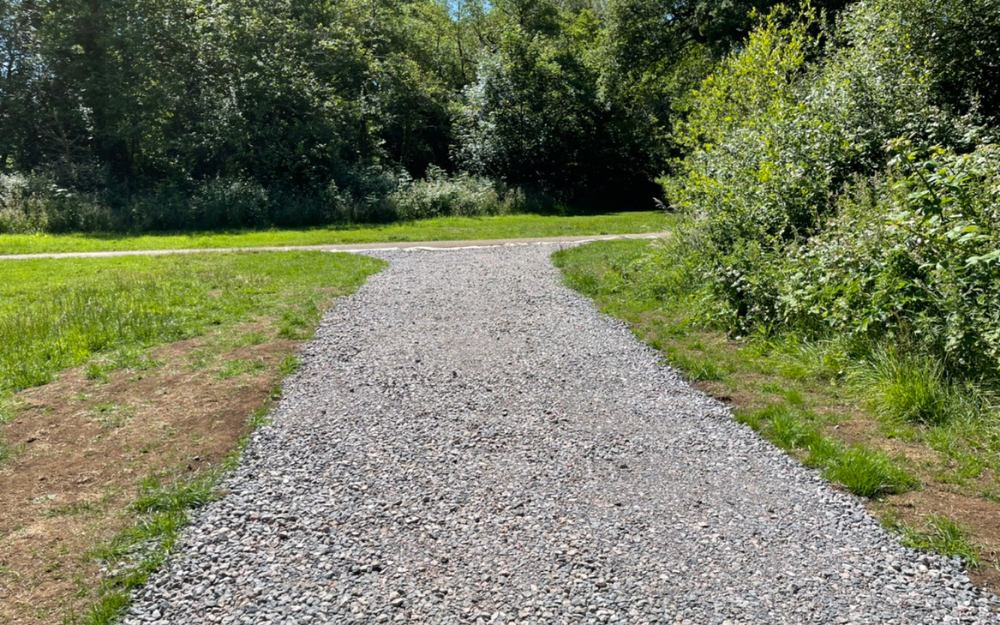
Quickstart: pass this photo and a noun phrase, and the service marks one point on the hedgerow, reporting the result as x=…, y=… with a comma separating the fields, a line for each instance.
x=845, y=180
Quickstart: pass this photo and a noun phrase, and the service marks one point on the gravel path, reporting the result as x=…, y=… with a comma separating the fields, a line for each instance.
x=468, y=441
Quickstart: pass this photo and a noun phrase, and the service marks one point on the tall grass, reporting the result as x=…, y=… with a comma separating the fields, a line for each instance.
x=907, y=388
x=34, y=203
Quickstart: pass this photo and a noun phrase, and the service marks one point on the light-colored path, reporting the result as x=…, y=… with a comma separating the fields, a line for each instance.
x=348, y=247
x=470, y=442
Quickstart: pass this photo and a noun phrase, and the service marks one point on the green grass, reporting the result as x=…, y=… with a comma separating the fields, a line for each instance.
x=157, y=496
x=163, y=508
x=106, y=313
x=906, y=389
x=241, y=366
x=61, y=313
x=868, y=473
x=129, y=356
x=442, y=228
x=289, y=365
x=940, y=535
x=698, y=369
x=75, y=509
x=864, y=471
x=111, y=415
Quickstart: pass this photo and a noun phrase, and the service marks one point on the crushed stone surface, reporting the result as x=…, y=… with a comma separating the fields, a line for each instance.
x=469, y=441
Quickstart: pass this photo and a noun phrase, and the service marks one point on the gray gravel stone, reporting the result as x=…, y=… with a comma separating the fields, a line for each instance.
x=468, y=441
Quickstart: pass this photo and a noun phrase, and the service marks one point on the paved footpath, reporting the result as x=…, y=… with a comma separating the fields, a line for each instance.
x=350, y=247
x=468, y=441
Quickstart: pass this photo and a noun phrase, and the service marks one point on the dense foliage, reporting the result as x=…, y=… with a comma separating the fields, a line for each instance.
x=842, y=179
x=174, y=114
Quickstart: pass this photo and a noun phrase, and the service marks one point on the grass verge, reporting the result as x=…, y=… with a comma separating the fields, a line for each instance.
x=939, y=534
x=887, y=427
x=118, y=427
x=437, y=229
x=59, y=313
x=162, y=508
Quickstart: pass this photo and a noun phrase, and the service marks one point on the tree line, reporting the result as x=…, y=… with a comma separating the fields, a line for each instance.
x=156, y=114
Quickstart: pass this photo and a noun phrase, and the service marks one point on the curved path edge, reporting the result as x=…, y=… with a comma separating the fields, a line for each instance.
x=350, y=247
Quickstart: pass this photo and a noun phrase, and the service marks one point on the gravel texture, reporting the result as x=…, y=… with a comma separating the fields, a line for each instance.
x=468, y=441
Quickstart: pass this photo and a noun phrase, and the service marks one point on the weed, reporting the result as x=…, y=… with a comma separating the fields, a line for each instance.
x=794, y=397
x=111, y=415
x=813, y=360
x=7, y=409
x=295, y=325
x=81, y=588
x=943, y=440
x=750, y=418
x=133, y=554
x=250, y=338
x=258, y=418
x=136, y=552
x=970, y=466
x=241, y=366
x=133, y=357
x=940, y=535
x=126, y=357
x=868, y=473
x=823, y=452
x=154, y=496
x=289, y=365
x=788, y=431
x=74, y=509
x=202, y=359
x=8, y=452
x=865, y=472
x=9, y=573
x=97, y=371
x=696, y=369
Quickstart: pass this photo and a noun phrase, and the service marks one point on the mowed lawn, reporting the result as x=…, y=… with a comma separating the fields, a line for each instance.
x=127, y=386
x=438, y=229
x=58, y=313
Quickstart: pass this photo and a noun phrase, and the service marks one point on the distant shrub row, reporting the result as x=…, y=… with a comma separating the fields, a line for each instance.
x=33, y=203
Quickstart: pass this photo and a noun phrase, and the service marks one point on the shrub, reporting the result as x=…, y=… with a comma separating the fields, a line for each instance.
x=753, y=168
x=916, y=259
x=441, y=195
x=34, y=203
x=778, y=133
x=22, y=204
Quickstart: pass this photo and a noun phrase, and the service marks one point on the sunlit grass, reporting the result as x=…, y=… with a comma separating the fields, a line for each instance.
x=61, y=313
x=940, y=535
x=437, y=229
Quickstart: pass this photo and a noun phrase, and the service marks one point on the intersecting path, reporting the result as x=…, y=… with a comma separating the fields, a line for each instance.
x=468, y=441
x=353, y=248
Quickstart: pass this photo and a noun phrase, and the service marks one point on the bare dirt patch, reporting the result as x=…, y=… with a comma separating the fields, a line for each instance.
x=978, y=515
x=85, y=447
